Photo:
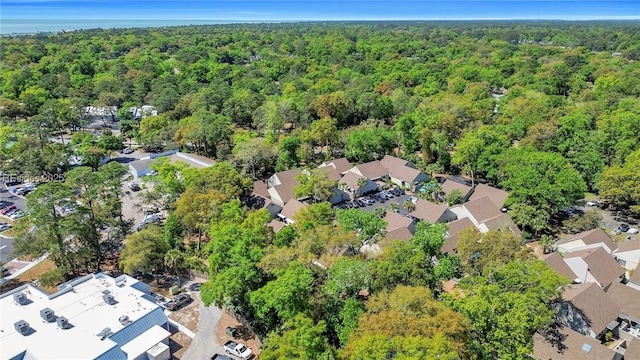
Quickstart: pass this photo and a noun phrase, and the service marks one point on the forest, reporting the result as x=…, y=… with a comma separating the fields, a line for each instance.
x=548, y=111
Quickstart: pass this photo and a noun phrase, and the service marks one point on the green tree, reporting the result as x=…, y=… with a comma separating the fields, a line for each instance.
x=174, y=259
x=288, y=153
x=540, y=179
x=506, y=306
x=255, y=157
x=196, y=210
x=286, y=296
x=144, y=251
x=366, y=224
x=50, y=228
x=414, y=325
x=478, y=150
x=299, y=338
x=477, y=250
x=590, y=220
x=619, y=184
x=316, y=184
x=366, y=144
x=454, y=197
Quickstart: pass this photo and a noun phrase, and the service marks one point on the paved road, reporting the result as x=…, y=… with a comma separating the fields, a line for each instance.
x=6, y=248
x=204, y=344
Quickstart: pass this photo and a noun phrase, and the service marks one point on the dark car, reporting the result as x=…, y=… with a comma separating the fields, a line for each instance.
x=233, y=332
x=178, y=302
x=623, y=227
x=195, y=286
x=4, y=204
x=221, y=357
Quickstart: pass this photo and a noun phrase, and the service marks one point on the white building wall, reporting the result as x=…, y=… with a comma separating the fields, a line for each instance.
x=631, y=259
x=275, y=197
x=461, y=212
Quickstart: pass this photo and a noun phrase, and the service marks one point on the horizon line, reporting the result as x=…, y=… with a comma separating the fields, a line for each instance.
x=603, y=18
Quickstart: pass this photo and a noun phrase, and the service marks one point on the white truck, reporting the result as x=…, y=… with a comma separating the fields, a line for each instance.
x=239, y=350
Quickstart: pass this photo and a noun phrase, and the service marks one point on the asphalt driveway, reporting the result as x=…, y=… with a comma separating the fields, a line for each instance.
x=204, y=344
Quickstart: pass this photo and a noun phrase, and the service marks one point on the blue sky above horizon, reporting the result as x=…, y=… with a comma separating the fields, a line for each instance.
x=302, y=10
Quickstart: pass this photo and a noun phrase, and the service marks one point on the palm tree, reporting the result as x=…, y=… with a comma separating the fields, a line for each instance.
x=394, y=207
x=409, y=205
x=361, y=182
x=436, y=191
x=546, y=241
x=174, y=259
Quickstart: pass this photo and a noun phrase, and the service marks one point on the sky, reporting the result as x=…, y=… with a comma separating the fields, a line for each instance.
x=302, y=10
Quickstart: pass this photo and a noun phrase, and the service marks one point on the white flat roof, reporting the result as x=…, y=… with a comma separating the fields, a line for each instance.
x=145, y=341
x=82, y=304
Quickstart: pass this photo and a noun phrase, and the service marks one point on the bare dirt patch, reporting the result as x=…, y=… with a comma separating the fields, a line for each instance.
x=246, y=336
x=31, y=276
x=188, y=316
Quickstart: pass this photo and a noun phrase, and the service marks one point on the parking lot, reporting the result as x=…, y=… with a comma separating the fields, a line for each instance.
x=396, y=199
x=9, y=199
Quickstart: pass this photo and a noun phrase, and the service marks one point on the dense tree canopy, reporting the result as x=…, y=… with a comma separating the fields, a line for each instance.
x=544, y=110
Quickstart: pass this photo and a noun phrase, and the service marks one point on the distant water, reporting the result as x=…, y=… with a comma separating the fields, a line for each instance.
x=30, y=26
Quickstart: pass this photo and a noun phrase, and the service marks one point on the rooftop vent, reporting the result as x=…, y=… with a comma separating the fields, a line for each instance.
x=20, y=298
x=109, y=299
x=586, y=347
x=22, y=327
x=104, y=333
x=124, y=319
x=63, y=322
x=47, y=315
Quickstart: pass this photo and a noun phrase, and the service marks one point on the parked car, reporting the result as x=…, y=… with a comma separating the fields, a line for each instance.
x=5, y=204
x=142, y=225
x=220, y=357
x=4, y=227
x=22, y=191
x=233, y=332
x=153, y=218
x=8, y=209
x=126, y=150
x=195, y=286
x=17, y=215
x=623, y=227
x=632, y=231
x=67, y=209
x=239, y=350
x=397, y=191
x=178, y=301
x=593, y=203
x=134, y=186
x=12, y=183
